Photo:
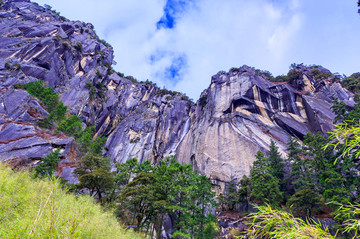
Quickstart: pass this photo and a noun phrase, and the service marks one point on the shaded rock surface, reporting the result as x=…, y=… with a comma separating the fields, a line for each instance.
x=237, y=115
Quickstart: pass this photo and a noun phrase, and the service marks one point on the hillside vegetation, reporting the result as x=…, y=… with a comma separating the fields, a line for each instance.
x=32, y=208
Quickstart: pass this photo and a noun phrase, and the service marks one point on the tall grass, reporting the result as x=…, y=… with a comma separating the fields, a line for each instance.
x=32, y=208
x=271, y=223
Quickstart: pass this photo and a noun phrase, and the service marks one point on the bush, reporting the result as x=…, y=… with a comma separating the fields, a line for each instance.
x=32, y=208
x=78, y=46
x=352, y=82
x=47, y=167
x=49, y=99
x=271, y=223
x=203, y=100
x=92, y=89
x=7, y=65
x=71, y=126
x=320, y=75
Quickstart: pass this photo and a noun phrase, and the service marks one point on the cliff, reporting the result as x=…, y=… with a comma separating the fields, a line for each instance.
x=237, y=115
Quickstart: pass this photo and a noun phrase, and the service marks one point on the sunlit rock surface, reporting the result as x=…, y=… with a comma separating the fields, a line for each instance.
x=237, y=115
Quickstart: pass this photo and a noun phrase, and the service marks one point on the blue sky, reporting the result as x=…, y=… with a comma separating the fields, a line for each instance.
x=180, y=44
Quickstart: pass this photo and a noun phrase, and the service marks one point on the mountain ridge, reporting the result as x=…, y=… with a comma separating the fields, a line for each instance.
x=238, y=114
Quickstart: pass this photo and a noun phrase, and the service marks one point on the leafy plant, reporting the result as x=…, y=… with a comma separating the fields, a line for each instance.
x=49, y=99
x=47, y=166
x=271, y=223
x=78, y=46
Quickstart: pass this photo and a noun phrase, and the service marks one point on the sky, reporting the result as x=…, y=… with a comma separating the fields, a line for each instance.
x=180, y=44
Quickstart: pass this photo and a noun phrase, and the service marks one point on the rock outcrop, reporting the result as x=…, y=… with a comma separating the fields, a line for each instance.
x=237, y=115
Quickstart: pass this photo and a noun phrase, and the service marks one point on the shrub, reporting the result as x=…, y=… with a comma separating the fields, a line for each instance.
x=234, y=69
x=32, y=208
x=320, y=75
x=131, y=78
x=71, y=126
x=352, y=82
x=97, y=145
x=271, y=223
x=47, y=167
x=293, y=75
x=7, y=65
x=78, y=46
x=49, y=99
x=203, y=100
x=92, y=89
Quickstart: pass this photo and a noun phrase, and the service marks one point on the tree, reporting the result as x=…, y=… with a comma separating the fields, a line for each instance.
x=244, y=191
x=47, y=166
x=305, y=202
x=265, y=187
x=71, y=126
x=170, y=188
x=138, y=197
x=277, y=167
x=276, y=162
x=94, y=174
x=124, y=171
x=231, y=195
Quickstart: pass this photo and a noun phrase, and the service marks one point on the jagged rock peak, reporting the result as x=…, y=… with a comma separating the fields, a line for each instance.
x=238, y=114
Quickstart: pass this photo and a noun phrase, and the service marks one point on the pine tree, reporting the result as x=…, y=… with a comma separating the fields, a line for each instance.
x=265, y=187
x=276, y=162
x=231, y=195
x=94, y=174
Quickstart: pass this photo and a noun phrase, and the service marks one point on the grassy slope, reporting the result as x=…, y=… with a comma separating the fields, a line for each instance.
x=41, y=209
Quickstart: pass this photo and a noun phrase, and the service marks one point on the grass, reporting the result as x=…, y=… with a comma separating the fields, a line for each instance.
x=32, y=208
x=271, y=223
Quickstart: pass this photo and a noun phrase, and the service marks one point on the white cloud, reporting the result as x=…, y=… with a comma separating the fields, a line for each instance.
x=216, y=35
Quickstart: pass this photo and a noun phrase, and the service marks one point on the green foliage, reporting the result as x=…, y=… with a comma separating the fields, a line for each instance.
x=347, y=136
x=71, y=126
x=97, y=145
x=126, y=170
x=244, y=191
x=131, y=78
x=343, y=114
x=49, y=99
x=32, y=208
x=47, y=166
x=170, y=188
x=1, y=4
x=162, y=92
x=100, y=89
x=94, y=174
x=305, y=202
x=7, y=65
x=352, y=82
x=276, y=162
x=78, y=46
x=271, y=223
x=265, y=186
x=231, y=195
x=203, y=100
x=349, y=215
x=234, y=69
x=320, y=75
x=292, y=75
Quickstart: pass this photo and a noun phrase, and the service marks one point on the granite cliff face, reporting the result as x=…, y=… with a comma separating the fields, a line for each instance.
x=237, y=115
